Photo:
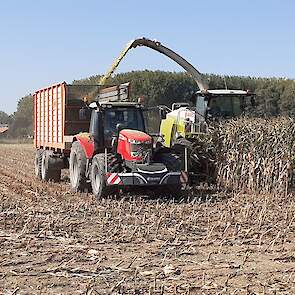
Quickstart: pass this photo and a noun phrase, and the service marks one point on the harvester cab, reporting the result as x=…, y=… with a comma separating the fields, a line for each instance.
x=223, y=103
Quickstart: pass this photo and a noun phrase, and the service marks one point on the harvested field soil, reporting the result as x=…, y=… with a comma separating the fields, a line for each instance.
x=56, y=242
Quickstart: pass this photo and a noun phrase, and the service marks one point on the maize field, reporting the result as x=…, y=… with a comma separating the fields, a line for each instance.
x=238, y=238
x=256, y=155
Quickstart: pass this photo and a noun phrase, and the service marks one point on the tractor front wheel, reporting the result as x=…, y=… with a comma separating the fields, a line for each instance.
x=78, y=162
x=97, y=176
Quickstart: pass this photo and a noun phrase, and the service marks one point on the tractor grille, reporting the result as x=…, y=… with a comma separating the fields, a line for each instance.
x=143, y=151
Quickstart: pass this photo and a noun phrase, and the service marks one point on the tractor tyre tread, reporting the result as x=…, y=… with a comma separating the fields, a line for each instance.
x=78, y=157
x=97, y=177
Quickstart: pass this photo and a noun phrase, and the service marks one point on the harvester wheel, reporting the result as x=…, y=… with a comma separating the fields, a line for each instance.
x=97, y=176
x=180, y=144
x=38, y=164
x=46, y=173
x=171, y=161
x=78, y=162
x=201, y=159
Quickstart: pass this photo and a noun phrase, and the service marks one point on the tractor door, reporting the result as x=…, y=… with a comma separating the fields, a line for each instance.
x=96, y=129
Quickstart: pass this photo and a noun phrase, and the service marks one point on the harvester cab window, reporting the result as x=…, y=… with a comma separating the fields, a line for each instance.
x=226, y=106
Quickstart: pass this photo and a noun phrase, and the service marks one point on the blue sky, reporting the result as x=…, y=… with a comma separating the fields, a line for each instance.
x=43, y=42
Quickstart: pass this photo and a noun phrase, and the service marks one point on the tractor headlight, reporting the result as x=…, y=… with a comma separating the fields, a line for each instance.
x=135, y=154
x=133, y=141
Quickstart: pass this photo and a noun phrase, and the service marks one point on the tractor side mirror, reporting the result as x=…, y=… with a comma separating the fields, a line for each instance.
x=115, y=140
x=119, y=127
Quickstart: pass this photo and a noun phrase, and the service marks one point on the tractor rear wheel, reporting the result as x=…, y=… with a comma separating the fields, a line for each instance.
x=78, y=162
x=46, y=173
x=38, y=164
x=97, y=177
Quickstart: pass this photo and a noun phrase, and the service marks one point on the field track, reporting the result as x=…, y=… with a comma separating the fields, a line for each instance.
x=56, y=242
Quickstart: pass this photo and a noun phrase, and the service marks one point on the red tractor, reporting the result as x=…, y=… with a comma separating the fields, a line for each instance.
x=115, y=153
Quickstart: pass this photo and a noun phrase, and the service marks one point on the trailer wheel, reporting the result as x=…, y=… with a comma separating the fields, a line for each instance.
x=78, y=162
x=46, y=173
x=97, y=175
x=38, y=164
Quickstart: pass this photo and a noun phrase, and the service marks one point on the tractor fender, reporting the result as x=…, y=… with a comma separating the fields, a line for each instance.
x=87, y=143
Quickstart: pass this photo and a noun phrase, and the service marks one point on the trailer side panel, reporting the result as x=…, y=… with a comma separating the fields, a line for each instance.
x=49, y=104
x=57, y=115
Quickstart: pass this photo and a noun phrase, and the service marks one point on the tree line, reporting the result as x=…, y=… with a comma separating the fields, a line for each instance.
x=21, y=121
x=275, y=96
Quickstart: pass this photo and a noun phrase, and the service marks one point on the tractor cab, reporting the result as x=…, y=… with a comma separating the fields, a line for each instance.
x=120, y=128
x=114, y=119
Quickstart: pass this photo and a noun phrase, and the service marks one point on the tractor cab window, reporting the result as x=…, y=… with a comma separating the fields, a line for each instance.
x=226, y=106
x=130, y=118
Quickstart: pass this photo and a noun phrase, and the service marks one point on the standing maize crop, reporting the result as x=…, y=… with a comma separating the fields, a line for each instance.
x=256, y=154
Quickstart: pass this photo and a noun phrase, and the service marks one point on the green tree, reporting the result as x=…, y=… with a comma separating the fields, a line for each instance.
x=4, y=118
x=274, y=96
x=23, y=118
